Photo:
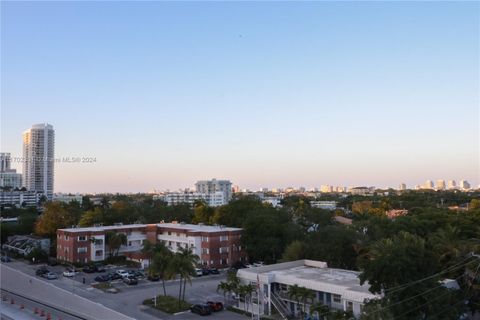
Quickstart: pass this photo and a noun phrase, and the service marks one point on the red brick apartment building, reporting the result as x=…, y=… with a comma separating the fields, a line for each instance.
x=217, y=246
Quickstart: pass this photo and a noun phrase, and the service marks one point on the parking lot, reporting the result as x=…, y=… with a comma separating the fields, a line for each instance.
x=129, y=298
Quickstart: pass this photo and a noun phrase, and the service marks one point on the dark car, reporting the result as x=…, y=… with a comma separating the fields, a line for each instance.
x=41, y=271
x=102, y=278
x=52, y=262
x=99, y=267
x=89, y=269
x=5, y=259
x=214, y=271
x=205, y=271
x=153, y=277
x=215, y=306
x=130, y=280
x=201, y=309
x=114, y=276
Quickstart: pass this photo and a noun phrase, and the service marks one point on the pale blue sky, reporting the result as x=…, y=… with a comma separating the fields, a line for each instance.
x=265, y=94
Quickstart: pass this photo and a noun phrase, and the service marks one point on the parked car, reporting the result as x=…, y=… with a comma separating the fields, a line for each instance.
x=102, y=278
x=215, y=306
x=70, y=273
x=5, y=259
x=52, y=262
x=89, y=269
x=99, y=267
x=41, y=271
x=198, y=272
x=201, y=309
x=122, y=273
x=136, y=273
x=114, y=276
x=214, y=271
x=205, y=271
x=49, y=276
x=153, y=277
x=130, y=280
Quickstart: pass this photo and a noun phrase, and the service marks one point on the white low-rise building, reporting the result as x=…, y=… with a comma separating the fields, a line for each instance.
x=213, y=199
x=327, y=205
x=67, y=198
x=20, y=198
x=336, y=288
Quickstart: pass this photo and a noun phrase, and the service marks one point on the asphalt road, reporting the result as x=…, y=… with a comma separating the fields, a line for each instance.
x=129, y=298
x=18, y=307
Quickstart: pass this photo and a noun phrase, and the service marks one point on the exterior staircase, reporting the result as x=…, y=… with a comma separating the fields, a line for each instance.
x=281, y=306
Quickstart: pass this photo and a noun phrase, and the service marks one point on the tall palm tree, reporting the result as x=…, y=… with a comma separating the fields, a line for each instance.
x=246, y=291
x=294, y=294
x=305, y=295
x=160, y=257
x=225, y=287
x=184, y=263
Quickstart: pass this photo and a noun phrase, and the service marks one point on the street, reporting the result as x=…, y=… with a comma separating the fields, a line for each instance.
x=129, y=298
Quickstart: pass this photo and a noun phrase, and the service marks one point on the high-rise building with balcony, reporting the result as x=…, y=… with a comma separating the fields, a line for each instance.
x=38, y=158
x=9, y=178
x=214, y=185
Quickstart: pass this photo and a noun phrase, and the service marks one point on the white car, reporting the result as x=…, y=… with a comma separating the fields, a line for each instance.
x=70, y=273
x=122, y=273
x=198, y=272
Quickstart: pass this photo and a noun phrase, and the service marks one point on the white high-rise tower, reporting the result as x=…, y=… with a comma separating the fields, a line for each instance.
x=38, y=162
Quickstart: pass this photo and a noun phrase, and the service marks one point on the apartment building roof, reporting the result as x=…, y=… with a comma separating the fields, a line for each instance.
x=173, y=225
x=314, y=275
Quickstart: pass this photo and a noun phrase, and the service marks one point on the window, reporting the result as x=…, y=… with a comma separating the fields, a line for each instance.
x=82, y=249
x=82, y=238
x=223, y=249
x=223, y=238
x=169, y=233
x=129, y=243
x=205, y=251
x=337, y=298
x=204, y=239
x=66, y=237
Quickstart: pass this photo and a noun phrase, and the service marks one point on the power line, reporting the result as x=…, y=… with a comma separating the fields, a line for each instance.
x=451, y=268
x=456, y=266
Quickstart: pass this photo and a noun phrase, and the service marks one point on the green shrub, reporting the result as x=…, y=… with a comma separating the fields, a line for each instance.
x=168, y=304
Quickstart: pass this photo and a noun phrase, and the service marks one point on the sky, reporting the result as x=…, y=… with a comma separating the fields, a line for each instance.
x=266, y=94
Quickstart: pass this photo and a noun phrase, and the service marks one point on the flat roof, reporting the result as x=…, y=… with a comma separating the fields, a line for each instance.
x=314, y=275
x=197, y=227
x=190, y=227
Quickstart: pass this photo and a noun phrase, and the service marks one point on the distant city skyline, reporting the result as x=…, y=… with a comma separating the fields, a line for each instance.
x=162, y=94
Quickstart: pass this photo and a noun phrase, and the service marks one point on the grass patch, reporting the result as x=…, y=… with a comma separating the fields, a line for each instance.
x=103, y=286
x=168, y=304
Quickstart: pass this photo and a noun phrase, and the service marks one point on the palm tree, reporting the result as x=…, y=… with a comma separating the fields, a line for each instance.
x=114, y=241
x=184, y=262
x=225, y=287
x=320, y=309
x=160, y=257
x=246, y=291
x=305, y=295
x=294, y=294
